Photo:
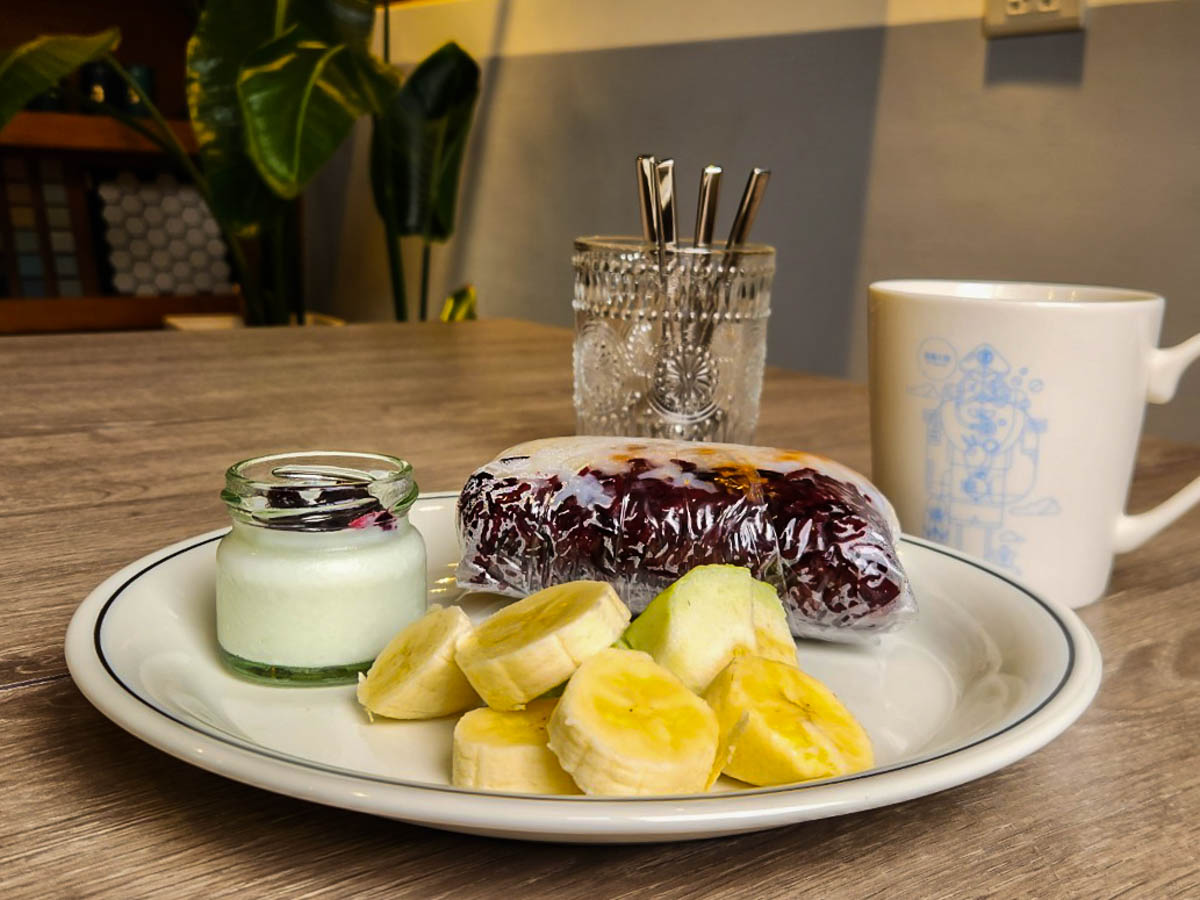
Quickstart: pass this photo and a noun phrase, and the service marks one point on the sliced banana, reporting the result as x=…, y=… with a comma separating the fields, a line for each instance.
x=625, y=725
x=725, y=743
x=506, y=751
x=415, y=677
x=792, y=727
x=772, y=636
x=536, y=644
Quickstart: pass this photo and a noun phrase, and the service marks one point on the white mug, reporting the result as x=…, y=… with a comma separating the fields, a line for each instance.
x=1005, y=420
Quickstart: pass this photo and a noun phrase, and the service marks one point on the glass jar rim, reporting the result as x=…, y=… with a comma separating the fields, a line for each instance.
x=319, y=490
x=627, y=244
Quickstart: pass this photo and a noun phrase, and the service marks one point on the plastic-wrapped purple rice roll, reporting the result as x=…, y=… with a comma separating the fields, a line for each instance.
x=640, y=512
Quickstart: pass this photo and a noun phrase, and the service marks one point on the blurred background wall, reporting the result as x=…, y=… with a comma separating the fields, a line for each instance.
x=901, y=143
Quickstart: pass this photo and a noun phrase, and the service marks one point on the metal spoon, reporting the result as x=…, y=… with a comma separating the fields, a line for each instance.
x=647, y=183
x=748, y=207
x=666, y=194
x=706, y=205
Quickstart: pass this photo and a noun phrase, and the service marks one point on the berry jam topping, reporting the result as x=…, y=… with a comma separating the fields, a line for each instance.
x=819, y=540
x=325, y=508
x=380, y=519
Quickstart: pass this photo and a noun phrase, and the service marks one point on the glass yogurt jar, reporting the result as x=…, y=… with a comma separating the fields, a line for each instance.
x=321, y=567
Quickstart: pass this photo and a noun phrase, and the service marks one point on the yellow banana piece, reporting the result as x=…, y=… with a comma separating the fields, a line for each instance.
x=535, y=644
x=506, y=751
x=792, y=727
x=725, y=744
x=415, y=676
x=625, y=725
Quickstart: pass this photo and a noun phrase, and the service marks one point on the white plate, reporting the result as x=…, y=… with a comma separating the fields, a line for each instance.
x=987, y=675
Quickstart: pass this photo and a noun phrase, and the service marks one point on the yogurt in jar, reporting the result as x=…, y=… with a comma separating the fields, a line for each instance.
x=321, y=567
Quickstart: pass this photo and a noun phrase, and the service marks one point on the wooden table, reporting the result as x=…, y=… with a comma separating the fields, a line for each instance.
x=114, y=445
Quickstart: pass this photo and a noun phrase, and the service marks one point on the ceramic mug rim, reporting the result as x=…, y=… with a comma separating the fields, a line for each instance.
x=1056, y=295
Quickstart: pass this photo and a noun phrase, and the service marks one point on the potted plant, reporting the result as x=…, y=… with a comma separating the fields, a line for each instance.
x=274, y=88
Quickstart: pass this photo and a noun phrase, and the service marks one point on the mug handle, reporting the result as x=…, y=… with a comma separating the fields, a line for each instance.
x=1166, y=366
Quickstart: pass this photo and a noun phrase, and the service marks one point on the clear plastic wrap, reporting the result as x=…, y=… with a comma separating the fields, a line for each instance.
x=640, y=512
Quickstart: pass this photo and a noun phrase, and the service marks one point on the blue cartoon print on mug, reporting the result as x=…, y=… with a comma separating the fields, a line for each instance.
x=981, y=450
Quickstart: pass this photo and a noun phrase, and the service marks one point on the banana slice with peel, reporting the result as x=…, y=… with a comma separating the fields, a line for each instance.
x=792, y=727
x=535, y=644
x=415, y=676
x=506, y=751
x=627, y=726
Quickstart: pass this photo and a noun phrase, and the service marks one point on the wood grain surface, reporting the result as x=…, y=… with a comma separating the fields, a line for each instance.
x=114, y=445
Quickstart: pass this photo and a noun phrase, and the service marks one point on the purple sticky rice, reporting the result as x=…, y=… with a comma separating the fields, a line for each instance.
x=639, y=513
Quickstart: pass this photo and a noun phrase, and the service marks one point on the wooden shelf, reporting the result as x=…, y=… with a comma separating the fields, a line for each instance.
x=77, y=132
x=28, y=315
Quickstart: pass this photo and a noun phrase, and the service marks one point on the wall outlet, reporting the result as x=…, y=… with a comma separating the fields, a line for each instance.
x=1005, y=18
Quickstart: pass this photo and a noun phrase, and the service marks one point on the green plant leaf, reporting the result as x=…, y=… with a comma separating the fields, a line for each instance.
x=349, y=22
x=346, y=22
x=300, y=96
x=39, y=65
x=227, y=32
x=418, y=145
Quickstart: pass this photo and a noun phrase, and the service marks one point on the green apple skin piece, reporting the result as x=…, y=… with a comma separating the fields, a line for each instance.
x=773, y=637
x=697, y=625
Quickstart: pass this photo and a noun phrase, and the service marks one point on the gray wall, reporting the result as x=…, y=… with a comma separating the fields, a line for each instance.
x=1073, y=157
x=915, y=150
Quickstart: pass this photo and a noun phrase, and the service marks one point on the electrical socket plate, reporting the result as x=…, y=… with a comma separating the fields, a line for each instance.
x=1005, y=18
